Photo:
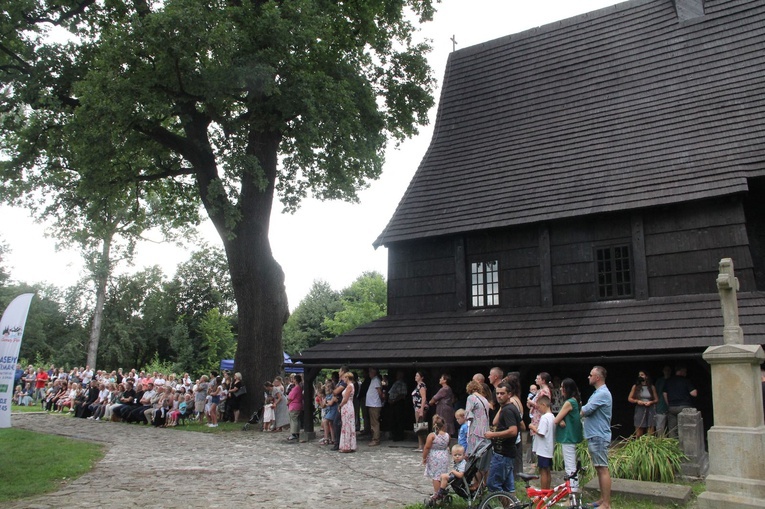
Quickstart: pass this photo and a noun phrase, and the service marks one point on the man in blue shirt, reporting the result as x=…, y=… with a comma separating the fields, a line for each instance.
x=597, y=432
x=17, y=376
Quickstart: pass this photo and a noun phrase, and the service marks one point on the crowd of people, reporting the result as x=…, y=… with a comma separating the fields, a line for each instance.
x=135, y=396
x=493, y=413
x=449, y=430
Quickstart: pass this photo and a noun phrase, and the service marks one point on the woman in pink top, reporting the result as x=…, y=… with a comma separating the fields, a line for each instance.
x=295, y=406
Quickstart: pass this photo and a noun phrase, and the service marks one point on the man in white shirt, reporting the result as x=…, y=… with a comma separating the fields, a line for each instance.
x=374, y=403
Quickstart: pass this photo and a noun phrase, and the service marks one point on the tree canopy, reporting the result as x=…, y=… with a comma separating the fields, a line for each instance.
x=365, y=300
x=305, y=326
x=241, y=99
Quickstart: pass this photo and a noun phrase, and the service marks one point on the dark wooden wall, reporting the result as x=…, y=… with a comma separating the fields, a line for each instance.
x=754, y=210
x=675, y=251
x=684, y=245
x=572, y=251
x=422, y=277
x=518, y=253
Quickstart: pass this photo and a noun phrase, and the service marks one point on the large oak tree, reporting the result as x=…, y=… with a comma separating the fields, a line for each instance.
x=248, y=99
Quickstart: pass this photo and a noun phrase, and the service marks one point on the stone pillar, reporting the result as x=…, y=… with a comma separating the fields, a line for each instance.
x=691, y=431
x=737, y=440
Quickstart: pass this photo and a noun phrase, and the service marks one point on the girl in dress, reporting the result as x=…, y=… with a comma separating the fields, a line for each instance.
x=435, y=454
x=328, y=412
x=214, y=392
x=179, y=407
x=268, y=407
x=348, y=417
x=281, y=412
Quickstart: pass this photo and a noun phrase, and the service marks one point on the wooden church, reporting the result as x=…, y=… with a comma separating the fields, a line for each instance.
x=583, y=181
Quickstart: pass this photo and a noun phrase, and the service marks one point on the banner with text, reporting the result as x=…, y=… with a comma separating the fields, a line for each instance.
x=11, y=331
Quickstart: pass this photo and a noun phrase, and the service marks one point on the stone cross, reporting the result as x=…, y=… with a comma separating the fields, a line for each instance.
x=727, y=285
x=454, y=42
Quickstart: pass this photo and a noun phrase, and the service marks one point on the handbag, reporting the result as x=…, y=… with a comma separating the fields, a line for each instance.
x=420, y=427
x=242, y=391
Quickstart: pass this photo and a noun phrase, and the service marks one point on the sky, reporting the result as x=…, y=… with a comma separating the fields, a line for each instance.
x=328, y=241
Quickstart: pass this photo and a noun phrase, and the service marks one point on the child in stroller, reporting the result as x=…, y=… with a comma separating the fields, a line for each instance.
x=461, y=477
x=458, y=456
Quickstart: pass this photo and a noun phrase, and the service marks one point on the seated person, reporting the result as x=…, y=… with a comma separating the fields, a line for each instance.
x=458, y=472
x=148, y=398
x=20, y=397
x=129, y=401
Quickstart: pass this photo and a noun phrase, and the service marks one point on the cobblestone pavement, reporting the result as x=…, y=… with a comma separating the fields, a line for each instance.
x=151, y=467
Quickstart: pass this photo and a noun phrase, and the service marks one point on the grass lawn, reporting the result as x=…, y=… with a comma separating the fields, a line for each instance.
x=25, y=409
x=34, y=463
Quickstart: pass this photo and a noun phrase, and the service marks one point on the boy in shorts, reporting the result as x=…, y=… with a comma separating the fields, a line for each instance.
x=544, y=444
x=458, y=455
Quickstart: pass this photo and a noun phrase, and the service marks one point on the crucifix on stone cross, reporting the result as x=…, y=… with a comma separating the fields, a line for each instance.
x=727, y=285
x=454, y=42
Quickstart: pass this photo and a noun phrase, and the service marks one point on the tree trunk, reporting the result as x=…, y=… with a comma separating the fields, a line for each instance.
x=261, y=299
x=100, y=277
x=256, y=277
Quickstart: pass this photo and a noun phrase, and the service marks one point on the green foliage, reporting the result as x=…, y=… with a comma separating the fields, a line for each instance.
x=25, y=451
x=203, y=283
x=306, y=325
x=131, y=332
x=647, y=458
x=225, y=103
x=216, y=333
x=49, y=330
x=4, y=269
x=147, y=320
x=158, y=366
x=180, y=344
x=365, y=300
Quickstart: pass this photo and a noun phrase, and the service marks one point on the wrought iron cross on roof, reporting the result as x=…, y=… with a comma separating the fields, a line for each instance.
x=454, y=42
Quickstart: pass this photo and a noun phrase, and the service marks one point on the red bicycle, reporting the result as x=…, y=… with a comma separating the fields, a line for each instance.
x=544, y=499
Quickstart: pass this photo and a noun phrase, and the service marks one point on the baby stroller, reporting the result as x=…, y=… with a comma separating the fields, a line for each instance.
x=254, y=419
x=462, y=486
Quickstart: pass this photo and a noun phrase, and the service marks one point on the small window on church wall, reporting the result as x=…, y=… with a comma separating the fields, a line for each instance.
x=614, y=277
x=484, y=284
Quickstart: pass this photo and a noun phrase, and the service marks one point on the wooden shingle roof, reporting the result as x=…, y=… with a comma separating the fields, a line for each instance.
x=658, y=326
x=621, y=108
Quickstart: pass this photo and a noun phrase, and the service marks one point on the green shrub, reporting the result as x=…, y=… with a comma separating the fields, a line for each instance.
x=647, y=458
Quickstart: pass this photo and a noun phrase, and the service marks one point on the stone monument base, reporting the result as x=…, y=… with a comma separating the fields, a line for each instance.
x=737, y=477
x=717, y=500
x=691, y=431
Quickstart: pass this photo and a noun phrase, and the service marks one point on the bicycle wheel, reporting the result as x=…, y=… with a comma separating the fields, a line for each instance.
x=502, y=500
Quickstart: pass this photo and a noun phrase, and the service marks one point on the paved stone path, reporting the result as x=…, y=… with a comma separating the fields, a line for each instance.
x=152, y=467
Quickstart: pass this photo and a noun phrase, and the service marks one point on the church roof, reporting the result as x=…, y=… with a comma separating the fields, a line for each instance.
x=622, y=108
x=657, y=327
